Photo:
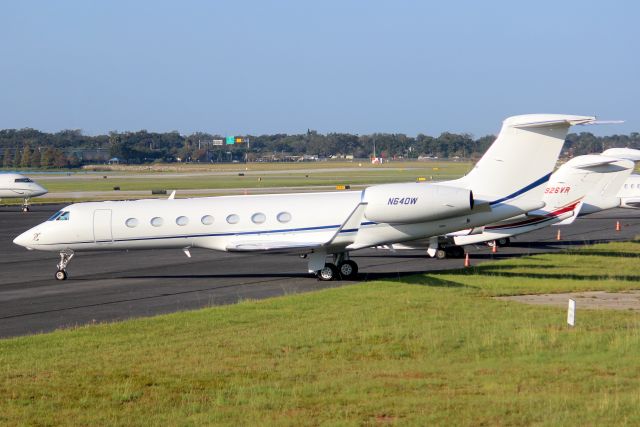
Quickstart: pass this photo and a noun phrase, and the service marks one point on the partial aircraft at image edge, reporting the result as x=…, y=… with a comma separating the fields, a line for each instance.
x=15, y=185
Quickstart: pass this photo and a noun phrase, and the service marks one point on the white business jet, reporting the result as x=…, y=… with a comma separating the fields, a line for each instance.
x=508, y=180
x=606, y=196
x=629, y=194
x=14, y=185
x=592, y=177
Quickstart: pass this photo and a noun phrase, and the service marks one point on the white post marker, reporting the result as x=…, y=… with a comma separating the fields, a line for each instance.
x=571, y=313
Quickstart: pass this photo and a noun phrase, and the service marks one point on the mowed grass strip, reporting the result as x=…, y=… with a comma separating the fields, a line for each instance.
x=353, y=176
x=430, y=349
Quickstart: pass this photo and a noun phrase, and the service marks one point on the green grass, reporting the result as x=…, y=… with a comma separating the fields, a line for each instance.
x=193, y=176
x=429, y=349
x=137, y=181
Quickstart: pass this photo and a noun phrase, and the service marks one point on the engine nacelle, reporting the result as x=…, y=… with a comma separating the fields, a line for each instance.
x=415, y=202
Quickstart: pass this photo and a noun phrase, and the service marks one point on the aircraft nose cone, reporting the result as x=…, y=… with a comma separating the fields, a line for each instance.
x=40, y=191
x=24, y=239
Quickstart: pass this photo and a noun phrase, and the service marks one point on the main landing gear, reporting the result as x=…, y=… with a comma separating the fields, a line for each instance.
x=341, y=268
x=65, y=257
x=449, y=252
x=503, y=241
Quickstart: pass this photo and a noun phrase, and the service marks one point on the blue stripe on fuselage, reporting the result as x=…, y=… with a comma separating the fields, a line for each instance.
x=523, y=190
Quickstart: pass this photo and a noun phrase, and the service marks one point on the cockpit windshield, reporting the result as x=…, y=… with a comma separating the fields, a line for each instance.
x=54, y=216
x=23, y=180
x=60, y=216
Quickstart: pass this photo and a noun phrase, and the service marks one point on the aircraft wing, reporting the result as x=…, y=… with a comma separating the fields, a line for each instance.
x=273, y=246
x=343, y=236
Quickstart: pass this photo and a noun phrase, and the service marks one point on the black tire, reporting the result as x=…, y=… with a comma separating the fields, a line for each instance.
x=505, y=241
x=440, y=254
x=348, y=270
x=328, y=272
x=455, y=252
x=61, y=275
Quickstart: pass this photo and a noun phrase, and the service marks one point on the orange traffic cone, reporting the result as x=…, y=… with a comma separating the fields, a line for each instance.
x=558, y=235
x=617, y=225
x=494, y=248
x=467, y=263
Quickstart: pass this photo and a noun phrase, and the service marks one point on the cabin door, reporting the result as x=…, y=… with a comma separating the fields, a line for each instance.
x=102, y=226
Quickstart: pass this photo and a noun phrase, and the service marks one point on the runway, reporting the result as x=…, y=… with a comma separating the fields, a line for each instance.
x=109, y=286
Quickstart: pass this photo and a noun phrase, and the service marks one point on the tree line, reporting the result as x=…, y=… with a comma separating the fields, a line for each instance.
x=30, y=148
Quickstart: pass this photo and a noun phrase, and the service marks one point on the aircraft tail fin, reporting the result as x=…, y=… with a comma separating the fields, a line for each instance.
x=518, y=164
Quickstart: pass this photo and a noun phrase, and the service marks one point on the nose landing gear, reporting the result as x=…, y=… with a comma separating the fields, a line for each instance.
x=65, y=257
x=26, y=205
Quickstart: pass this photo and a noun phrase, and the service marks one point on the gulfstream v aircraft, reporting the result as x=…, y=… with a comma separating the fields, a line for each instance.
x=508, y=180
x=14, y=185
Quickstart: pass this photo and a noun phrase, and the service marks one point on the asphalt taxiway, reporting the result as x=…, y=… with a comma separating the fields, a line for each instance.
x=110, y=286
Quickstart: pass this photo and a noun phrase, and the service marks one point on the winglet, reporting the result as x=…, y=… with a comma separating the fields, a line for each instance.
x=351, y=224
x=172, y=195
x=569, y=220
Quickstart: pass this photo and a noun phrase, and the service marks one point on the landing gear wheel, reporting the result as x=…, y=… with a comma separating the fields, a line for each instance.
x=25, y=209
x=65, y=257
x=348, y=270
x=455, y=252
x=440, y=254
x=505, y=241
x=328, y=272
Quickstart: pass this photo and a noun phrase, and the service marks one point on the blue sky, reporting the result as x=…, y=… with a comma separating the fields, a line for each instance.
x=253, y=67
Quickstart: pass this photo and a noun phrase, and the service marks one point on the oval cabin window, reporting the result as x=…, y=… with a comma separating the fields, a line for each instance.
x=182, y=221
x=233, y=219
x=131, y=222
x=156, y=221
x=284, y=217
x=258, y=218
x=207, y=220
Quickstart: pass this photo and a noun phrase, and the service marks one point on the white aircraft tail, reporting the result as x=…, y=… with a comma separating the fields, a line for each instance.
x=520, y=161
x=577, y=178
x=604, y=194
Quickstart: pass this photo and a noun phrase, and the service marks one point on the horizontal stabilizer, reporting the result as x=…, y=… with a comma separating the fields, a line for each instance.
x=564, y=121
x=595, y=160
x=604, y=122
x=623, y=153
